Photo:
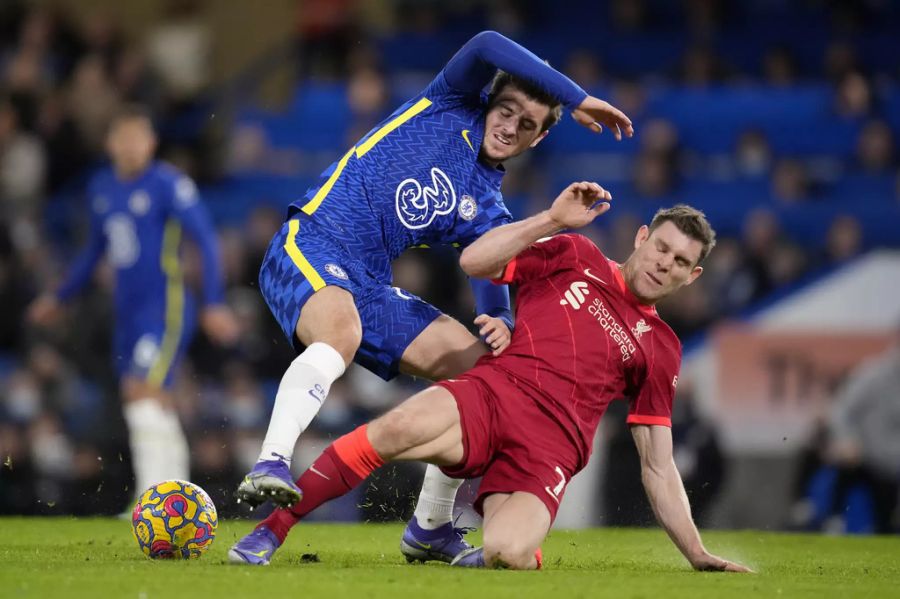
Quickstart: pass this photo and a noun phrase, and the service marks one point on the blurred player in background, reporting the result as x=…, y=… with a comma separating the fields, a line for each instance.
x=864, y=438
x=429, y=174
x=138, y=210
x=587, y=334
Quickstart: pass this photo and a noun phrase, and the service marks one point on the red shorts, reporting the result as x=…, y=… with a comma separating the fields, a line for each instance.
x=509, y=441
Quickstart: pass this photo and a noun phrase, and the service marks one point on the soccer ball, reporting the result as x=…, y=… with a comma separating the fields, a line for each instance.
x=174, y=519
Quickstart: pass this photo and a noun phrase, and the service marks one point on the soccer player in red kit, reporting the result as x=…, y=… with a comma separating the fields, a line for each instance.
x=524, y=421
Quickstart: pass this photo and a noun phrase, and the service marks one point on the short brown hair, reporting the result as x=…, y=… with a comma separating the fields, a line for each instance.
x=691, y=222
x=129, y=112
x=503, y=79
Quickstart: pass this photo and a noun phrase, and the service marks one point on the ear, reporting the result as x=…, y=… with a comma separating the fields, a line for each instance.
x=698, y=270
x=538, y=139
x=641, y=236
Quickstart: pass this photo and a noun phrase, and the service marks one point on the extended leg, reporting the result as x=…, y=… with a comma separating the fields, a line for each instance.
x=443, y=350
x=424, y=428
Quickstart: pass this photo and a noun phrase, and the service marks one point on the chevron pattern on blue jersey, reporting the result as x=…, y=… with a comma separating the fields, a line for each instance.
x=377, y=205
x=391, y=318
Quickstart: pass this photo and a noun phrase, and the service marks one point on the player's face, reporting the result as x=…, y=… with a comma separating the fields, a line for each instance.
x=131, y=143
x=512, y=125
x=662, y=262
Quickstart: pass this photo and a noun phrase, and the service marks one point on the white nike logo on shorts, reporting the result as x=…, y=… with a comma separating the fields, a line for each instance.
x=313, y=469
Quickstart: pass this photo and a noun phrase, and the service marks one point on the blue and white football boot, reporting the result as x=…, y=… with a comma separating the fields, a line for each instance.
x=443, y=543
x=270, y=480
x=255, y=549
x=474, y=558
x=470, y=558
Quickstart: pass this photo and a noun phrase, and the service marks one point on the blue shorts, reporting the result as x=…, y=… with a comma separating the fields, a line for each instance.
x=150, y=340
x=301, y=260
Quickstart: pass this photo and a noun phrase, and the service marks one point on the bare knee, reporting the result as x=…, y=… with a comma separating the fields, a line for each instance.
x=509, y=553
x=330, y=316
x=394, y=433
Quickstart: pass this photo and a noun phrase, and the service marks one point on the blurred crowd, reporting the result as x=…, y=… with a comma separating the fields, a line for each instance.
x=62, y=442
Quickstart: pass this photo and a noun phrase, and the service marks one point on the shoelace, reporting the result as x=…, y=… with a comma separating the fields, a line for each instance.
x=462, y=531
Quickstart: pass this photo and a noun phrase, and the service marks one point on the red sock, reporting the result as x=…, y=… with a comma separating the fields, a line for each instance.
x=342, y=466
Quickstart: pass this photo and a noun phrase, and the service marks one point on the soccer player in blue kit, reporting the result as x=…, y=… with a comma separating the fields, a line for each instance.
x=138, y=210
x=429, y=174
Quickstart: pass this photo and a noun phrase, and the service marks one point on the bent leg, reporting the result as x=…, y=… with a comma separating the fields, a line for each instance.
x=330, y=316
x=515, y=525
x=425, y=428
x=412, y=431
x=313, y=300
x=443, y=350
x=330, y=329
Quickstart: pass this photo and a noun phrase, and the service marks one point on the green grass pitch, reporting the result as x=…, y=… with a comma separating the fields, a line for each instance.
x=97, y=557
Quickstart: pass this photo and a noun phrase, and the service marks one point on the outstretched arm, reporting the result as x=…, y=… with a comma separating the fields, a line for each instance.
x=83, y=266
x=475, y=64
x=47, y=307
x=669, y=500
x=576, y=206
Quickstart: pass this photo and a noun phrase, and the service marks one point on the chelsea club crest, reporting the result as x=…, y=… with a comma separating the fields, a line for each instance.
x=467, y=207
x=336, y=271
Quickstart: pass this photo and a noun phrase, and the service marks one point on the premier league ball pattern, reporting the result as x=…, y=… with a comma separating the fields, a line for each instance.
x=174, y=519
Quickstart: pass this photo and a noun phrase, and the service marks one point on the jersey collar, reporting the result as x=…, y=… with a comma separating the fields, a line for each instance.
x=494, y=175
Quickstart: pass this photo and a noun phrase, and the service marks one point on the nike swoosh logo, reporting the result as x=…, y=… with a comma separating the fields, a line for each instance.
x=400, y=293
x=258, y=553
x=313, y=469
x=587, y=271
x=423, y=545
x=465, y=134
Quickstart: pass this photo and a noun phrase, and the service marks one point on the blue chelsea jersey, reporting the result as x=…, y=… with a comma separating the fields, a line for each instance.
x=138, y=225
x=415, y=179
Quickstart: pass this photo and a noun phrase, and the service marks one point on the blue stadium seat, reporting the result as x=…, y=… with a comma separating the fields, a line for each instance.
x=864, y=187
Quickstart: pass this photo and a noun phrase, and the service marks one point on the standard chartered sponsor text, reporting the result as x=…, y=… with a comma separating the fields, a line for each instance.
x=615, y=330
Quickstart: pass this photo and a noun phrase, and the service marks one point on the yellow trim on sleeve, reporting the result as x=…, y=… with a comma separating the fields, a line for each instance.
x=401, y=118
x=290, y=246
x=171, y=266
x=313, y=205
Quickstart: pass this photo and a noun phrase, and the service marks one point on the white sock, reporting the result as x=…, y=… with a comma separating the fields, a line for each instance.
x=435, y=506
x=148, y=436
x=301, y=393
x=177, y=448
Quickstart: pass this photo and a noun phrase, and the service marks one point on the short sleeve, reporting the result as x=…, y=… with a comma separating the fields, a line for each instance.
x=541, y=258
x=653, y=402
x=489, y=212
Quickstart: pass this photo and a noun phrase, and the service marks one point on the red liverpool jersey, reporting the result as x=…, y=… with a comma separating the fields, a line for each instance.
x=582, y=340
